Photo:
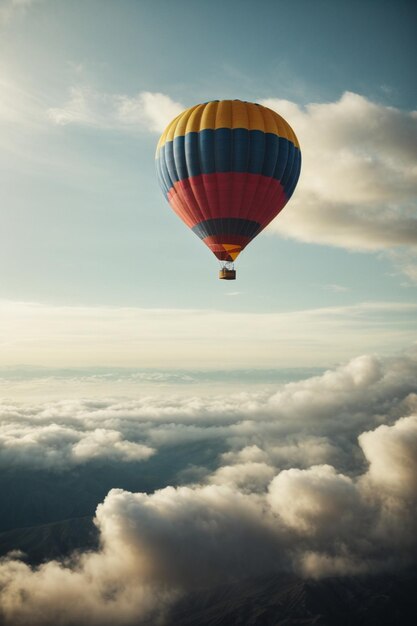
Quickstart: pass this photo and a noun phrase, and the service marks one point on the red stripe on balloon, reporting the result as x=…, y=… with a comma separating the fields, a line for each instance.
x=229, y=194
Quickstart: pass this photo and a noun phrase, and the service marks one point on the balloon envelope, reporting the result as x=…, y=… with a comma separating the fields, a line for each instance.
x=227, y=169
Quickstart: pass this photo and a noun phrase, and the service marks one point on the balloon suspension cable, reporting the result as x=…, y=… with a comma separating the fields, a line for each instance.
x=228, y=265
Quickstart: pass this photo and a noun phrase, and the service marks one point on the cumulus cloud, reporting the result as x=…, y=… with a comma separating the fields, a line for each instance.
x=314, y=501
x=392, y=455
x=157, y=109
x=88, y=107
x=249, y=476
x=358, y=186
x=305, y=451
x=54, y=446
x=99, y=589
x=318, y=478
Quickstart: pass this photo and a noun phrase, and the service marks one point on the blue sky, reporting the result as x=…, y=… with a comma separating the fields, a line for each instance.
x=88, y=241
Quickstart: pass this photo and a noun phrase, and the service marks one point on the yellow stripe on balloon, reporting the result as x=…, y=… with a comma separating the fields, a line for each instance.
x=227, y=114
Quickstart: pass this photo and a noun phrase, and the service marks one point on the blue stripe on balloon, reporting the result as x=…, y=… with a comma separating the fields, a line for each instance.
x=179, y=158
x=222, y=149
x=229, y=150
x=257, y=151
x=170, y=162
x=271, y=152
x=240, y=150
x=281, y=162
x=206, y=152
x=233, y=226
x=295, y=173
x=192, y=156
x=288, y=166
x=163, y=172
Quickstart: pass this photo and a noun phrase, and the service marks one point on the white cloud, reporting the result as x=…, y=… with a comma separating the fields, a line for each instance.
x=53, y=445
x=314, y=501
x=156, y=109
x=305, y=451
x=248, y=454
x=102, y=443
x=100, y=589
x=392, y=455
x=197, y=523
x=88, y=107
x=249, y=476
x=358, y=184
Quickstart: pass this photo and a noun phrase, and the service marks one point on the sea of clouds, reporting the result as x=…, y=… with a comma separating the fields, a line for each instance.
x=318, y=478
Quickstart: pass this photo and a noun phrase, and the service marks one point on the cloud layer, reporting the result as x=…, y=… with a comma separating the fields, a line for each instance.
x=309, y=422
x=318, y=478
x=59, y=446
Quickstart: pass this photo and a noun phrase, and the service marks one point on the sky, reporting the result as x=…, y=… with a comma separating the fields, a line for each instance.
x=275, y=417
x=96, y=269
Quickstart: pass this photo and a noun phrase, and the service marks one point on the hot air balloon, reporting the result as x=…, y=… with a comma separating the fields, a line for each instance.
x=227, y=168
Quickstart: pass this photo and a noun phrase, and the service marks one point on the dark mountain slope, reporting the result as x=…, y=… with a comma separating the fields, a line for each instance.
x=30, y=497
x=285, y=600
x=51, y=541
